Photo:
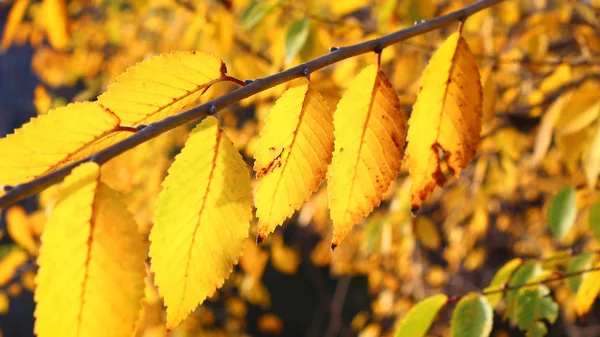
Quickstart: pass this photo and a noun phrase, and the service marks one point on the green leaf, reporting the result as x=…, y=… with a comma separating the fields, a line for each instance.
x=527, y=271
x=581, y=262
x=533, y=306
x=472, y=317
x=594, y=220
x=420, y=317
x=255, y=12
x=561, y=213
x=500, y=279
x=295, y=38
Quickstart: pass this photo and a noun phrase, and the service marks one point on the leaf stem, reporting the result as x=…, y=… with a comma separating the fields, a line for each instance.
x=155, y=129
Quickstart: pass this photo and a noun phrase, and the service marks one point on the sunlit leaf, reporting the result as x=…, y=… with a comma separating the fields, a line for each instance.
x=295, y=38
x=591, y=158
x=17, y=11
x=98, y=271
x=562, y=212
x=161, y=86
x=50, y=140
x=445, y=118
x=292, y=155
x=588, y=291
x=369, y=141
x=57, y=21
x=472, y=317
x=502, y=277
x=255, y=12
x=20, y=230
x=201, y=221
x=420, y=317
x=580, y=262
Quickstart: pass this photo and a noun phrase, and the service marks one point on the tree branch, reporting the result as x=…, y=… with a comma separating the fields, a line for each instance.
x=153, y=130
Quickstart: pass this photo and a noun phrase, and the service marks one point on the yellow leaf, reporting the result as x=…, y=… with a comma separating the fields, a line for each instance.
x=17, y=11
x=292, y=155
x=50, y=140
x=581, y=109
x=591, y=158
x=489, y=97
x=56, y=22
x=162, y=86
x=341, y=8
x=10, y=263
x=369, y=129
x=446, y=117
x=427, y=233
x=91, y=276
x=561, y=76
x=201, y=221
x=284, y=259
x=19, y=229
x=587, y=292
x=543, y=138
x=4, y=304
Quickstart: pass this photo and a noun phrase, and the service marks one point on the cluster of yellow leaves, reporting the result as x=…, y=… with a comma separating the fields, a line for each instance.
x=302, y=137
x=208, y=186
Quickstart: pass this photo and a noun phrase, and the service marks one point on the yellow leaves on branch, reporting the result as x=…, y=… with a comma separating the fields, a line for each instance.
x=292, y=155
x=446, y=119
x=370, y=129
x=51, y=140
x=162, y=86
x=201, y=222
x=91, y=262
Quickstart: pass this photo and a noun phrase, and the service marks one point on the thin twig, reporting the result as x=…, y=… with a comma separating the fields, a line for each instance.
x=155, y=129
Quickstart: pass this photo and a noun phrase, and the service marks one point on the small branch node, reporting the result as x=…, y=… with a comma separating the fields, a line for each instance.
x=306, y=73
x=8, y=188
x=141, y=127
x=212, y=110
x=332, y=49
x=246, y=82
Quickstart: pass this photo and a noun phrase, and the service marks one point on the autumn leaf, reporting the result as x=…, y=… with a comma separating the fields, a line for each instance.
x=17, y=11
x=19, y=229
x=369, y=129
x=500, y=280
x=420, y=317
x=10, y=262
x=91, y=262
x=56, y=22
x=50, y=140
x=161, y=86
x=446, y=118
x=292, y=155
x=588, y=291
x=201, y=221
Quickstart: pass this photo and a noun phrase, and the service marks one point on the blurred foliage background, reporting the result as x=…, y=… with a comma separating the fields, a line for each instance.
x=540, y=64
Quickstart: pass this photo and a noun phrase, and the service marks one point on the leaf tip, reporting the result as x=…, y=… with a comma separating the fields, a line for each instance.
x=260, y=238
x=414, y=210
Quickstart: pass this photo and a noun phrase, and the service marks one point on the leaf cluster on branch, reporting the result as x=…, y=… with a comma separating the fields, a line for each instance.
x=126, y=223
